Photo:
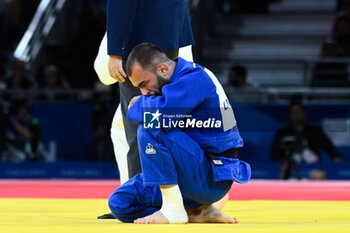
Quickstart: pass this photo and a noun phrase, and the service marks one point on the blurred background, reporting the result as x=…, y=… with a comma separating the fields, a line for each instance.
x=283, y=63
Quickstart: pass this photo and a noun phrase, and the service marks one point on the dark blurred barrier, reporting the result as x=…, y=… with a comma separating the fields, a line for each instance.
x=68, y=136
x=259, y=123
x=62, y=170
x=67, y=125
x=265, y=170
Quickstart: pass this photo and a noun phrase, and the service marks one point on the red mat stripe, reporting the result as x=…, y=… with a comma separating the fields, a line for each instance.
x=57, y=188
x=292, y=190
x=254, y=190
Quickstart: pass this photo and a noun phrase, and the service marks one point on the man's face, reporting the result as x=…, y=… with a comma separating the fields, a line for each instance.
x=232, y=76
x=148, y=82
x=235, y=79
x=297, y=115
x=22, y=113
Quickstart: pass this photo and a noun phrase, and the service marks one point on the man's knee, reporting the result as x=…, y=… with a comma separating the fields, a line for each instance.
x=125, y=202
x=119, y=204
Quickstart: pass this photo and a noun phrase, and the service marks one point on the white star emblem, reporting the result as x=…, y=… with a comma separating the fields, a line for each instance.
x=156, y=115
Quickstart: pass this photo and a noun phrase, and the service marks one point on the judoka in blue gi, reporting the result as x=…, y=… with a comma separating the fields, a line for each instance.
x=188, y=141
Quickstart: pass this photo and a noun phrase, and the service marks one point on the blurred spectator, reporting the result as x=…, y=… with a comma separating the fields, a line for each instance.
x=92, y=27
x=328, y=72
x=54, y=55
x=237, y=77
x=253, y=6
x=100, y=124
x=341, y=24
x=346, y=7
x=300, y=142
x=341, y=32
x=234, y=7
x=3, y=61
x=24, y=136
x=203, y=20
x=227, y=7
x=334, y=73
x=17, y=78
x=54, y=86
x=343, y=6
x=238, y=89
x=3, y=126
x=318, y=174
x=21, y=14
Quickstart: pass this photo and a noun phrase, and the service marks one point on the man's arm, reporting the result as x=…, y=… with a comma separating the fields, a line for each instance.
x=328, y=146
x=133, y=100
x=24, y=131
x=120, y=15
x=276, y=152
x=180, y=97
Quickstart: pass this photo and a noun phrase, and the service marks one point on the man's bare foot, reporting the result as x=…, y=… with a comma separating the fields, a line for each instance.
x=221, y=203
x=155, y=218
x=209, y=214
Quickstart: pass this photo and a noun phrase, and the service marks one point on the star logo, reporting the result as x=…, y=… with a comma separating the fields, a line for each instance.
x=151, y=119
x=156, y=115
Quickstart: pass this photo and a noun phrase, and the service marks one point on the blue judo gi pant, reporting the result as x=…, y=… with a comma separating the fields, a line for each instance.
x=167, y=157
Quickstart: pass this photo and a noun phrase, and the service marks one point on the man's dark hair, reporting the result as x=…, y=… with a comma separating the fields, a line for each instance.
x=240, y=71
x=147, y=55
x=20, y=104
x=298, y=104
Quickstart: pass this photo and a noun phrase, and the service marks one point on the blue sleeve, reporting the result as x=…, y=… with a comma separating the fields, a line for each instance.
x=180, y=97
x=120, y=16
x=135, y=112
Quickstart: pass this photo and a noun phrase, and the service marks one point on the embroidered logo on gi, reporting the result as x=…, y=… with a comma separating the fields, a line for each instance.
x=217, y=162
x=151, y=120
x=150, y=150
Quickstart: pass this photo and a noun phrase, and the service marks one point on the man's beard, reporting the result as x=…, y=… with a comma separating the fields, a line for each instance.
x=161, y=82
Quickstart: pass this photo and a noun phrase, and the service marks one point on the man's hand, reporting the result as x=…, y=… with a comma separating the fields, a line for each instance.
x=21, y=129
x=133, y=100
x=337, y=160
x=115, y=68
